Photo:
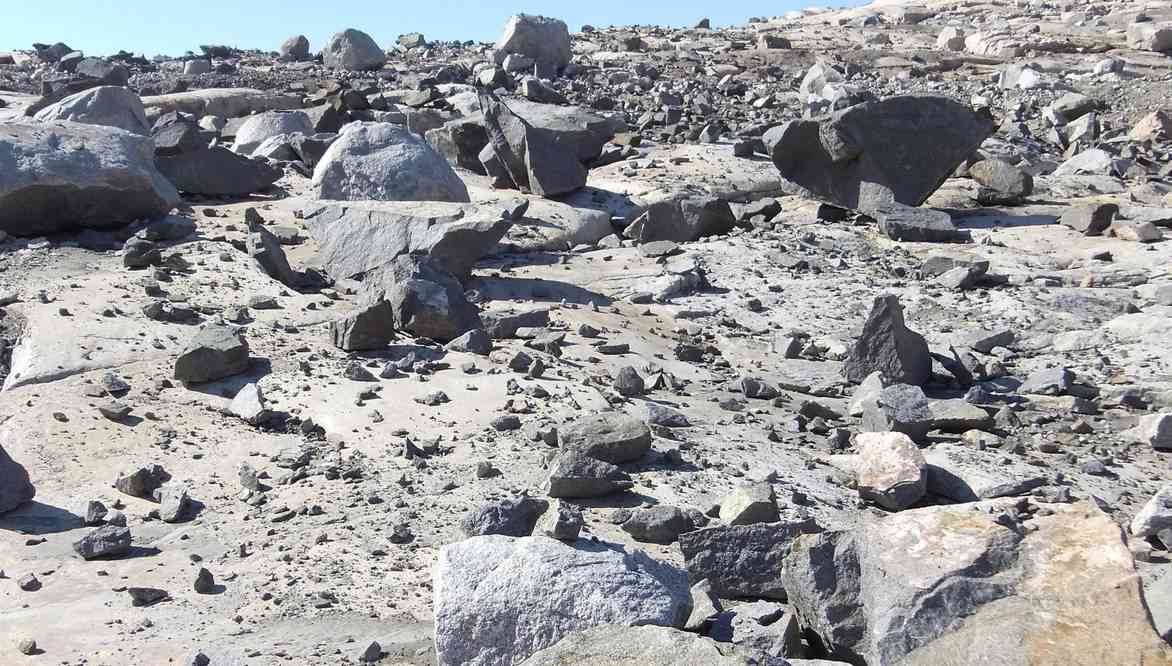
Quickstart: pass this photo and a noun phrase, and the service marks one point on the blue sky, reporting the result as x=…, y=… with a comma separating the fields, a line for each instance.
x=101, y=27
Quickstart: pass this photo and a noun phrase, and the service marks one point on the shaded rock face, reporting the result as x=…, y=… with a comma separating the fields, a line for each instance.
x=900, y=149
x=369, y=327
x=112, y=106
x=15, y=486
x=383, y=162
x=354, y=50
x=888, y=346
x=499, y=599
x=528, y=158
x=59, y=177
x=425, y=300
x=217, y=171
x=215, y=352
x=939, y=584
x=742, y=560
x=545, y=40
x=682, y=220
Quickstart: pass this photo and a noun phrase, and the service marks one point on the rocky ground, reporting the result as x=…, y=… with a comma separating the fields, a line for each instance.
x=838, y=337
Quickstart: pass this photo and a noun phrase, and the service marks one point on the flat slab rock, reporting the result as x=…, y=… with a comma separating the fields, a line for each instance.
x=964, y=474
x=646, y=646
x=500, y=599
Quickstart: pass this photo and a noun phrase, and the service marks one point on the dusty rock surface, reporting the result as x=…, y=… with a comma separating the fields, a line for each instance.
x=223, y=432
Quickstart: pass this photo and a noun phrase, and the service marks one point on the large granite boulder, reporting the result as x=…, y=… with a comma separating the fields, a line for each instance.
x=999, y=579
x=295, y=49
x=355, y=238
x=354, y=50
x=545, y=40
x=63, y=176
x=264, y=126
x=383, y=162
x=900, y=149
x=112, y=106
x=15, y=487
x=500, y=599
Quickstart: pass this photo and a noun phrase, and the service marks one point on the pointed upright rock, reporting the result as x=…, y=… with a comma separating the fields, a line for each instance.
x=888, y=346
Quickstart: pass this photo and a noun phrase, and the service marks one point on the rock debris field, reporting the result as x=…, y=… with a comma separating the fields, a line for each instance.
x=838, y=337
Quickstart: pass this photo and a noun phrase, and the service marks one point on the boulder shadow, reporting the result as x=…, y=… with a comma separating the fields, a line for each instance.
x=529, y=289
x=999, y=220
x=36, y=518
x=228, y=387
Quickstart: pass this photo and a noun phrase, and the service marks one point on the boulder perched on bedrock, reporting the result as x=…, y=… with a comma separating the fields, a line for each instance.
x=899, y=150
x=64, y=176
x=1002, y=579
x=384, y=162
x=358, y=237
x=112, y=106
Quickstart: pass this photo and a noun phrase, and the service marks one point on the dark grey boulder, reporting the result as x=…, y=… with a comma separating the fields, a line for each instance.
x=265, y=248
x=888, y=346
x=900, y=149
x=425, y=300
x=475, y=341
x=742, y=560
x=513, y=516
x=369, y=327
x=917, y=225
x=217, y=171
x=573, y=475
x=15, y=486
x=682, y=220
x=142, y=482
x=1090, y=220
x=659, y=524
x=899, y=408
x=65, y=176
x=532, y=156
x=295, y=49
x=215, y=352
x=503, y=324
x=103, y=542
x=612, y=437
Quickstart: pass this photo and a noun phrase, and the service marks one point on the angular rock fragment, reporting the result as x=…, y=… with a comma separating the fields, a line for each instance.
x=427, y=301
x=901, y=408
x=215, y=352
x=682, y=220
x=891, y=470
x=1155, y=515
x=748, y=504
x=917, y=225
x=888, y=346
x=900, y=150
x=545, y=40
x=529, y=158
x=102, y=542
x=658, y=524
x=369, y=327
x=142, y=482
x=249, y=405
x=562, y=521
